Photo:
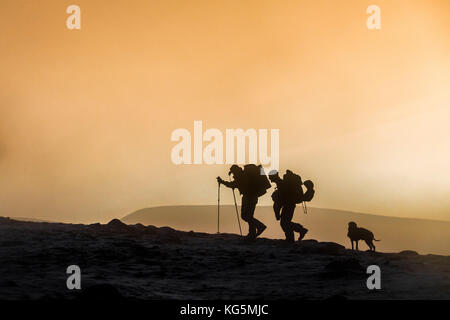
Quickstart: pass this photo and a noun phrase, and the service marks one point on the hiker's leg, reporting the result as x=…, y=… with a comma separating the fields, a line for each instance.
x=247, y=214
x=258, y=225
x=277, y=208
x=297, y=227
x=286, y=216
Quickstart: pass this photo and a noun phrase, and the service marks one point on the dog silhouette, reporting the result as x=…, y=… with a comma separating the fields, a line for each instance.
x=355, y=234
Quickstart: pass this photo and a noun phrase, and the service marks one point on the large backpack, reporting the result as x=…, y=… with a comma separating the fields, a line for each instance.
x=257, y=181
x=309, y=194
x=292, y=190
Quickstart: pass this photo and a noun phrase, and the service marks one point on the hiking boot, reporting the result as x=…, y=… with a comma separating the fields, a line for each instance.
x=302, y=234
x=290, y=239
x=260, y=230
x=250, y=236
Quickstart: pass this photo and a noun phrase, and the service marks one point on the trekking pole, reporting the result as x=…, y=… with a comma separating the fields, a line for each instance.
x=305, y=210
x=218, y=207
x=237, y=214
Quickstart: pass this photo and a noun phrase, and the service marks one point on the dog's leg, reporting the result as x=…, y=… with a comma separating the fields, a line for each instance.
x=357, y=245
x=352, y=244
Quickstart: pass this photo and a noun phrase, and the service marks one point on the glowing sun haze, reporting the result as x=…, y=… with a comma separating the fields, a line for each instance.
x=86, y=115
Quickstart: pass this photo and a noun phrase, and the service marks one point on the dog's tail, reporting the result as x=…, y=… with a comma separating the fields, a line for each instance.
x=375, y=239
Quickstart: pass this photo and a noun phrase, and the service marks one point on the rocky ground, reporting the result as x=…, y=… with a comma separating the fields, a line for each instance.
x=146, y=262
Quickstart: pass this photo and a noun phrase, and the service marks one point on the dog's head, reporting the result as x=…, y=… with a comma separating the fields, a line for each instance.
x=352, y=225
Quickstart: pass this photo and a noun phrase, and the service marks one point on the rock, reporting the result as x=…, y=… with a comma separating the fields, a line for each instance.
x=140, y=226
x=328, y=248
x=408, y=253
x=116, y=223
x=167, y=230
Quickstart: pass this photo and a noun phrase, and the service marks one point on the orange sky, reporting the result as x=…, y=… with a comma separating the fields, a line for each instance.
x=86, y=115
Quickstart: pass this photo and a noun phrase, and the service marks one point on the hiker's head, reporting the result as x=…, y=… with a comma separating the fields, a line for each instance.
x=235, y=170
x=273, y=176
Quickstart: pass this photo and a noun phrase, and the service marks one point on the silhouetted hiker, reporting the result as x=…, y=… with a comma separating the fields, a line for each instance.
x=251, y=185
x=355, y=234
x=288, y=193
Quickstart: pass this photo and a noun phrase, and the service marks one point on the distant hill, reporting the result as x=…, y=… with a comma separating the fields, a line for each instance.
x=30, y=219
x=396, y=234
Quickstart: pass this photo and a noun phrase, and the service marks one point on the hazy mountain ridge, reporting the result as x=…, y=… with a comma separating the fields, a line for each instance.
x=396, y=233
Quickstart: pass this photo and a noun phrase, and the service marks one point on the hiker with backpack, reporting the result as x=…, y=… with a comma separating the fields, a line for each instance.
x=251, y=183
x=289, y=192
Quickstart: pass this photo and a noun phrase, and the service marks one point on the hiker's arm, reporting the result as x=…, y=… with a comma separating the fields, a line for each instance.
x=229, y=184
